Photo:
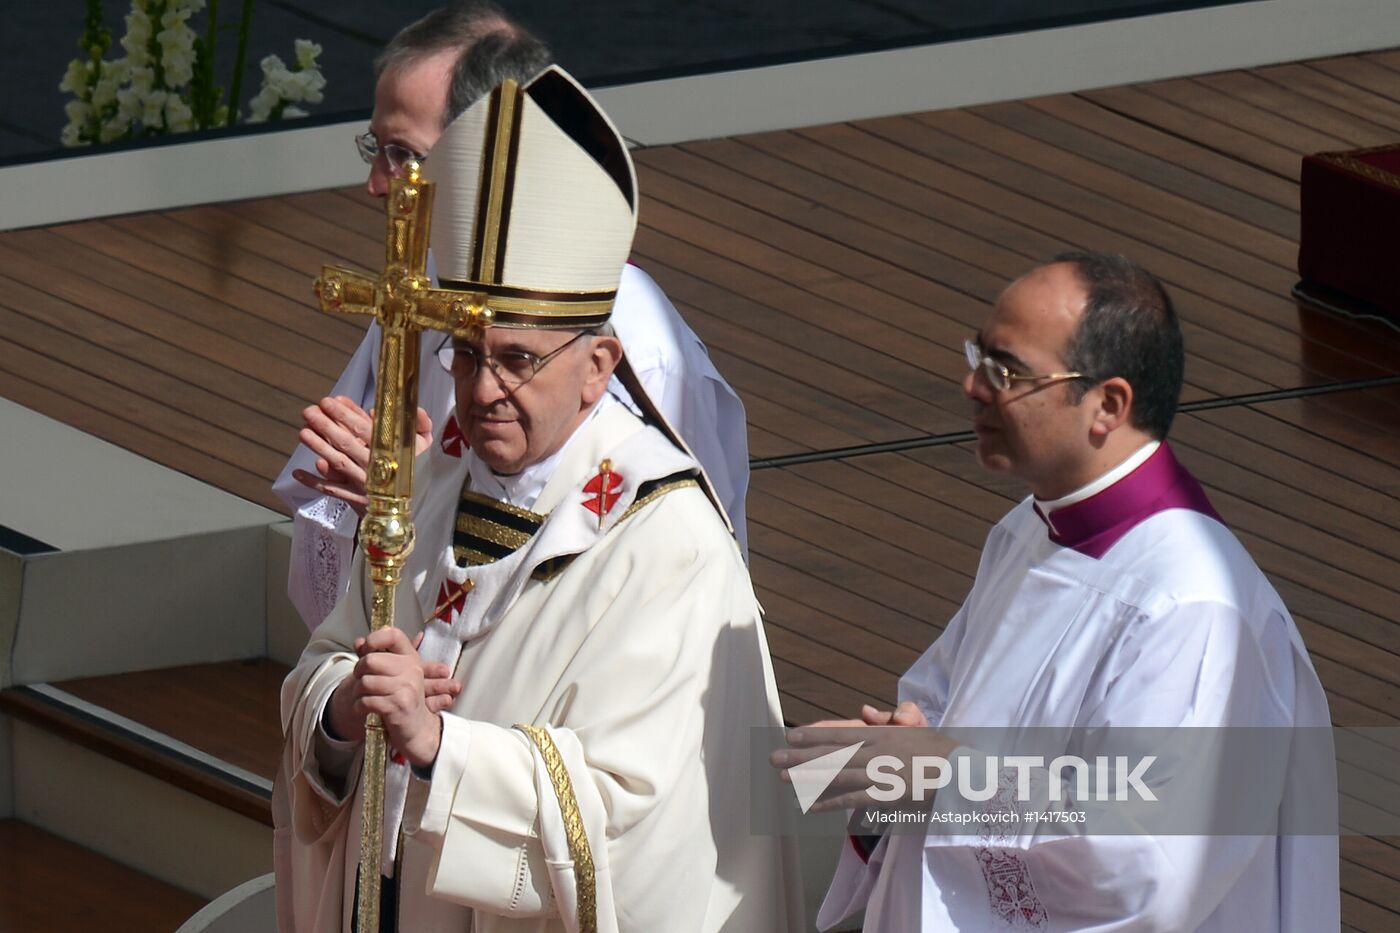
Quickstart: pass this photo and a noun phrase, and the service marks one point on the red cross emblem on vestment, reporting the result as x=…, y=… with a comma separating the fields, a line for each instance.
x=452, y=599
x=398, y=757
x=605, y=489
x=452, y=439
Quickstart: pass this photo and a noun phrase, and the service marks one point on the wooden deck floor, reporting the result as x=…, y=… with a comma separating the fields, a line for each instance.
x=88, y=893
x=834, y=272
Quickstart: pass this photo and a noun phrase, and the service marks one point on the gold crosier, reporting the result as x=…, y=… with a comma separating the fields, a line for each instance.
x=405, y=304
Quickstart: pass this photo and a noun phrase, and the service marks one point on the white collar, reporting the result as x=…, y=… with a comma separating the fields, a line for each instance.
x=1137, y=459
x=523, y=489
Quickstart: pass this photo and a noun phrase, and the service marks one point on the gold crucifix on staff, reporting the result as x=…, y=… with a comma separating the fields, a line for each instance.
x=405, y=303
x=478, y=294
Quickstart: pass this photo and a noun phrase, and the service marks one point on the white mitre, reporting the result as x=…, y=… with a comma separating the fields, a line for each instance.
x=535, y=204
x=534, y=210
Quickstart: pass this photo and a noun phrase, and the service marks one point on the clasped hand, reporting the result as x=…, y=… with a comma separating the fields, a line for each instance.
x=879, y=734
x=392, y=681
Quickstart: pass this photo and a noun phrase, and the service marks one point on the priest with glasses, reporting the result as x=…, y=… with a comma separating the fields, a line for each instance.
x=575, y=573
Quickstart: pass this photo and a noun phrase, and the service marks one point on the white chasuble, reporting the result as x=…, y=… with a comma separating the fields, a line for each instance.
x=593, y=773
x=1133, y=608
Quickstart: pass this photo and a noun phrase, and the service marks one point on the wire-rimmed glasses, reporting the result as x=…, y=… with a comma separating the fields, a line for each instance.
x=1001, y=378
x=513, y=367
x=395, y=155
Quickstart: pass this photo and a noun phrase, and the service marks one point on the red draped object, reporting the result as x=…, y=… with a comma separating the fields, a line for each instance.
x=1351, y=224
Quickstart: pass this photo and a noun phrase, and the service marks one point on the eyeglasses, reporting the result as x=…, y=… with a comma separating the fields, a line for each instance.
x=513, y=367
x=998, y=376
x=397, y=156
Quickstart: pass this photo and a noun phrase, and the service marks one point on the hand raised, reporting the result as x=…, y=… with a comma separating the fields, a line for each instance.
x=338, y=431
x=906, y=714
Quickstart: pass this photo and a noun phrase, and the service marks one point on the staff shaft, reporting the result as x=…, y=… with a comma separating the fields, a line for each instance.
x=386, y=533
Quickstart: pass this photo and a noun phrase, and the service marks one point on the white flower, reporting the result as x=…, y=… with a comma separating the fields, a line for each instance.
x=138, y=35
x=177, y=54
x=143, y=79
x=179, y=72
x=138, y=21
x=303, y=85
x=119, y=70
x=180, y=37
x=78, y=111
x=122, y=97
x=113, y=129
x=306, y=52
x=272, y=64
x=178, y=62
x=75, y=79
x=174, y=17
x=131, y=100
x=178, y=115
x=130, y=103
x=260, y=107
x=104, y=92
x=279, y=80
x=153, y=110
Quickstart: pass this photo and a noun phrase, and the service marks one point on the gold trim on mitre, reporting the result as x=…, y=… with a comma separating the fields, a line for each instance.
x=497, y=177
x=536, y=206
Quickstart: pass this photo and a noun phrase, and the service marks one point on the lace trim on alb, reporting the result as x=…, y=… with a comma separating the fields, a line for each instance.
x=325, y=550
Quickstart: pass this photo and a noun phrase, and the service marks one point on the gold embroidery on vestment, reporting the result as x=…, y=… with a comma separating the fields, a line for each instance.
x=657, y=493
x=481, y=519
x=470, y=496
x=488, y=530
x=551, y=568
x=470, y=556
x=577, y=837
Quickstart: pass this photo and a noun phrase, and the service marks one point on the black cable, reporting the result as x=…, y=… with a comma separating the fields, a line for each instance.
x=942, y=440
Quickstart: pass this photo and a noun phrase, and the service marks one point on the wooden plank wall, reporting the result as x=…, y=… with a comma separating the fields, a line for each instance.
x=833, y=272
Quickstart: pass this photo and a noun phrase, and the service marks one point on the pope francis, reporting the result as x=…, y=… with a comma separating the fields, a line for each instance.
x=573, y=574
